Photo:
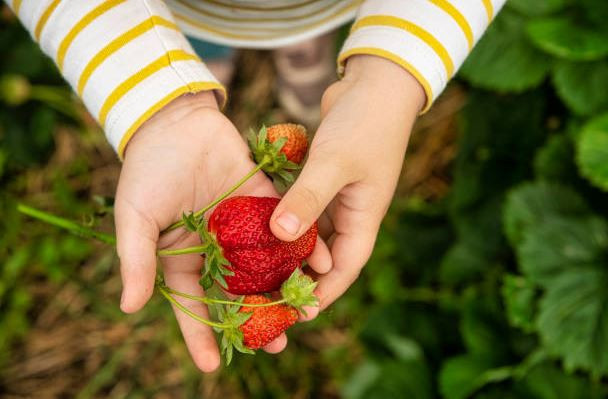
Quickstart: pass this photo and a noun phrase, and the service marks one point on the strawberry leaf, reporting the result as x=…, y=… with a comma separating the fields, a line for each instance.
x=592, y=151
x=567, y=258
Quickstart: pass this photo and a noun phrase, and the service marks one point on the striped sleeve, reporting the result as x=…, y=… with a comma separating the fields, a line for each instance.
x=125, y=58
x=429, y=38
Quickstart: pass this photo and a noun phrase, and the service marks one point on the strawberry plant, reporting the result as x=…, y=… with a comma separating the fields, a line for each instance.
x=514, y=304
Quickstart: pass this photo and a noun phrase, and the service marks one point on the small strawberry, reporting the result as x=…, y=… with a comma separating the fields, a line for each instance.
x=265, y=323
x=279, y=149
x=242, y=253
x=297, y=140
x=252, y=321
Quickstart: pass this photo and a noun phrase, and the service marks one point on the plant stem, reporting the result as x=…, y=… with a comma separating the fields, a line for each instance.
x=181, y=251
x=238, y=184
x=188, y=311
x=87, y=232
x=209, y=301
x=58, y=221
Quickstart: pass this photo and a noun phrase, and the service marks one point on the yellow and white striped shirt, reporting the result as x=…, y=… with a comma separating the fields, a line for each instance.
x=129, y=58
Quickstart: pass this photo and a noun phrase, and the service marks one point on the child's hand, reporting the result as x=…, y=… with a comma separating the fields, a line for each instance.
x=180, y=160
x=354, y=163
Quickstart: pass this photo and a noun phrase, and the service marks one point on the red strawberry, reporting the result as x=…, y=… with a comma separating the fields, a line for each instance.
x=259, y=261
x=266, y=323
x=297, y=140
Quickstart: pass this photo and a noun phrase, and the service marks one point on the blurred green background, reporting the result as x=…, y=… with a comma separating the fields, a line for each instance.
x=490, y=274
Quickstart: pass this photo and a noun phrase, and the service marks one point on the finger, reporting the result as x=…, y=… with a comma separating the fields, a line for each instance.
x=317, y=185
x=326, y=226
x=277, y=345
x=309, y=313
x=182, y=276
x=320, y=259
x=350, y=253
x=136, y=246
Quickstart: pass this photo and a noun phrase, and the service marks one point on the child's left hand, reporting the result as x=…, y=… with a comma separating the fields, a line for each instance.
x=354, y=163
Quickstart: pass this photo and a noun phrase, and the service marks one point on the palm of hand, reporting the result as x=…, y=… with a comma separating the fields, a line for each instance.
x=162, y=177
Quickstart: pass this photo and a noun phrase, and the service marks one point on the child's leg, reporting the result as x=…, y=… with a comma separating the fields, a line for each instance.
x=304, y=71
x=219, y=59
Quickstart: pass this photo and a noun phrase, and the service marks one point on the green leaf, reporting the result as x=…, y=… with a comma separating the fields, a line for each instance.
x=577, y=85
x=592, y=151
x=546, y=381
x=532, y=203
x=465, y=261
x=568, y=257
x=462, y=375
x=566, y=39
x=504, y=60
x=482, y=327
x=555, y=160
x=596, y=11
x=561, y=245
x=391, y=379
x=538, y=7
x=491, y=157
x=404, y=348
x=519, y=297
x=364, y=376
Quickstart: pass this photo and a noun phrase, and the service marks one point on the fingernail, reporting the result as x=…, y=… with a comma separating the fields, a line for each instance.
x=289, y=222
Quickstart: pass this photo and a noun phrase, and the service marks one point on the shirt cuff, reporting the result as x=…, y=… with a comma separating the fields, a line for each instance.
x=428, y=38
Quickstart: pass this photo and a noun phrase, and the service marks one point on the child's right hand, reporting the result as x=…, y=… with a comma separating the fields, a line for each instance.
x=180, y=160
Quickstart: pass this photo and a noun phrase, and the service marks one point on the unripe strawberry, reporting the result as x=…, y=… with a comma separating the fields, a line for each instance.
x=297, y=140
x=279, y=150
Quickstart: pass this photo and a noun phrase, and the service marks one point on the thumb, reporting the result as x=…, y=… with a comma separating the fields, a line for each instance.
x=317, y=185
x=136, y=245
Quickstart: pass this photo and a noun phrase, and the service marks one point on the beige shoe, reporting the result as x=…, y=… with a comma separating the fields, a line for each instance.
x=304, y=71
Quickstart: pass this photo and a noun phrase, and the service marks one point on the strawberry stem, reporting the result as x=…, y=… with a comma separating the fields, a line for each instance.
x=219, y=199
x=187, y=311
x=181, y=251
x=66, y=224
x=210, y=301
x=87, y=232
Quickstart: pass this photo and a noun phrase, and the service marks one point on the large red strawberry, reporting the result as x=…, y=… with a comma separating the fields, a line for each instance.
x=265, y=323
x=258, y=261
x=297, y=140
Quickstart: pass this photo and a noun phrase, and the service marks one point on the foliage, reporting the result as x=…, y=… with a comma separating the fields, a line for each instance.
x=498, y=290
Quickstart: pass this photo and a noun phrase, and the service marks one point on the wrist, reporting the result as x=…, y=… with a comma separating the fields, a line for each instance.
x=391, y=79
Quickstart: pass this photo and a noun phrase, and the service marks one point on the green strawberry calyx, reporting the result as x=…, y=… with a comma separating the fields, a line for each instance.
x=269, y=156
x=216, y=264
x=232, y=336
x=298, y=291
